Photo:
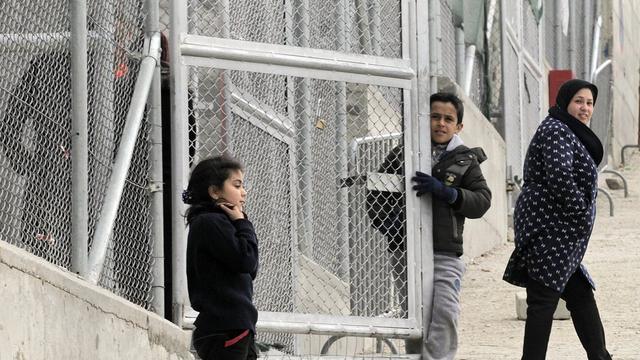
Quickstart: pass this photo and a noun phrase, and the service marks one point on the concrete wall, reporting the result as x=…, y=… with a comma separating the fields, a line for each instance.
x=49, y=313
x=482, y=235
x=625, y=37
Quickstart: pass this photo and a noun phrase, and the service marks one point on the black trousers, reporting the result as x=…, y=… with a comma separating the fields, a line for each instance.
x=230, y=345
x=541, y=304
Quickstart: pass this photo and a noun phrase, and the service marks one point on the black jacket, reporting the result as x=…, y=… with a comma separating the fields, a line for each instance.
x=222, y=261
x=459, y=168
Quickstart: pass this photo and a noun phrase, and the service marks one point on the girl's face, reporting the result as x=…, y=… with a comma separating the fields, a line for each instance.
x=232, y=191
x=581, y=105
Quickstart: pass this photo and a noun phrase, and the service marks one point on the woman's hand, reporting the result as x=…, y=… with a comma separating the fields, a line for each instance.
x=233, y=211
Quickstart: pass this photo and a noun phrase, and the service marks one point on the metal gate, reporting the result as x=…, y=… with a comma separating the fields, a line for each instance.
x=288, y=87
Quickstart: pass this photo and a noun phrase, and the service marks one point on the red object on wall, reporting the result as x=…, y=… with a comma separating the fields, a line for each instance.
x=556, y=79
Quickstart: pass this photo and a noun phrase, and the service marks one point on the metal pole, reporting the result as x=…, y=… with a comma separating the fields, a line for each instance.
x=122, y=161
x=586, y=34
x=557, y=26
x=179, y=159
x=217, y=49
x=422, y=37
x=221, y=89
x=79, y=138
x=303, y=96
x=342, y=163
x=501, y=123
x=460, y=52
x=595, y=49
x=155, y=176
x=573, y=38
x=468, y=69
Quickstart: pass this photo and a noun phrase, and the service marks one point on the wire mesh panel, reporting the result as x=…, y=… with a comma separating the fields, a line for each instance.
x=479, y=92
x=306, y=175
x=448, y=44
x=550, y=29
x=373, y=26
x=164, y=6
x=35, y=136
x=376, y=295
x=494, y=66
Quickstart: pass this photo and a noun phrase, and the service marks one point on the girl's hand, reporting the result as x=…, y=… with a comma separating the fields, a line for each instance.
x=234, y=211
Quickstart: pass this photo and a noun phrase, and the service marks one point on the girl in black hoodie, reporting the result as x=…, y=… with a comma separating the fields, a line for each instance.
x=222, y=261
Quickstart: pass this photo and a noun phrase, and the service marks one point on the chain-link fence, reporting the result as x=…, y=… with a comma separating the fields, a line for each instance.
x=495, y=96
x=35, y=161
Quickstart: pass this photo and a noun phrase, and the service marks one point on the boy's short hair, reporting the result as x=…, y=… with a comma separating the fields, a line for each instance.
x=450, y=98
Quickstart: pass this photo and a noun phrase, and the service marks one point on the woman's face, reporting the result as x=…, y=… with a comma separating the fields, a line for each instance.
x=581, y=105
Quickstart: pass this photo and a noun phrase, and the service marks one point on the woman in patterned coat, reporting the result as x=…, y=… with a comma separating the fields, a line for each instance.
x=553, y=219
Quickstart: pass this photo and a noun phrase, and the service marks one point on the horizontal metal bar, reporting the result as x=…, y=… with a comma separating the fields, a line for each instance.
x=295, y=61
x=45, y=39
x=374, y=138
x=262, y=116
x=331, y=325
x=385, y=182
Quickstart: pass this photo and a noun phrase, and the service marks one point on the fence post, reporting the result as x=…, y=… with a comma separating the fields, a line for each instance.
x=179, y=159
x=79, y=138
x=423, y=40
x=155, y=176
x=342, y=163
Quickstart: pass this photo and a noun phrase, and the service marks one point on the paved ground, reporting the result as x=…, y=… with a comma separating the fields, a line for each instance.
x=489, y=328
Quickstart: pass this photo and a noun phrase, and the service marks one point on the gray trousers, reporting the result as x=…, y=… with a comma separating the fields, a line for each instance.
x=442, y=338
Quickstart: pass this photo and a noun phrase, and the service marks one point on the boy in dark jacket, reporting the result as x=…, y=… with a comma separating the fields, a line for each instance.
x=458, y=191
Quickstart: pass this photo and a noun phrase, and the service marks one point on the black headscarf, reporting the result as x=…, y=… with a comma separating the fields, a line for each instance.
x=581, y=130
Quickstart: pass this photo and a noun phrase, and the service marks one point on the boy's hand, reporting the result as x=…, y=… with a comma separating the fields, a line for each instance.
x=234, y=211
x=428, y=184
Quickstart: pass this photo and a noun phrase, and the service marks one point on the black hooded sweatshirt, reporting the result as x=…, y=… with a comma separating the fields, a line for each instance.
x=222, y=261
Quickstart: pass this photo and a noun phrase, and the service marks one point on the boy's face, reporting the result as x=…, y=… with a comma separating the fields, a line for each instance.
x=444, y=122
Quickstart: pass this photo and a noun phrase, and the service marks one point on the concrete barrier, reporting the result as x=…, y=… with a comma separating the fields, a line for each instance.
x=561, y=313
x=48, y=313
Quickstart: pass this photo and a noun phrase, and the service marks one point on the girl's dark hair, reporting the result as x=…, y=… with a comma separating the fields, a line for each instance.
x=209, y=172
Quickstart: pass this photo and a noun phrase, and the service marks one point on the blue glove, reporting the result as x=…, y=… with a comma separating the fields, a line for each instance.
x=428, y=184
